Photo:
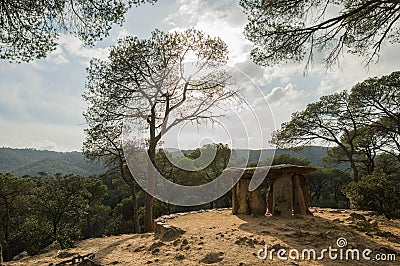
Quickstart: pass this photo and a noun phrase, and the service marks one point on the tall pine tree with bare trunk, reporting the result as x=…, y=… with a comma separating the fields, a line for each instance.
x=147, y=82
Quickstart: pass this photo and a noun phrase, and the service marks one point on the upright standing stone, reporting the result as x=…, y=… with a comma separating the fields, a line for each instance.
x=283, y=196
x=242, y=197
x=299, y=206
x=235, y=203
x=257, y=203
x=305, y=186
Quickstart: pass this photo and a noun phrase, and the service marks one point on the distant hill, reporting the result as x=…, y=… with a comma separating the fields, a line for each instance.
x=22, y=162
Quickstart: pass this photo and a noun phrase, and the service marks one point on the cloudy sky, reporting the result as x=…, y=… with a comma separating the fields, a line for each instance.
x=41, y=105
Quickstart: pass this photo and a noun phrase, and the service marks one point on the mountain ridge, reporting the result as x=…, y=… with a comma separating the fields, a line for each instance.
x=21, y=162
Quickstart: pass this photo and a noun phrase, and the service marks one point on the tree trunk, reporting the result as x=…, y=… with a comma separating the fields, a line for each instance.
x=136, y=225
x=131, y=183
x=148, y=208
x=211, y=204
x=355, y=170
x=148, y=205
x=55, y=230
x=6, y=232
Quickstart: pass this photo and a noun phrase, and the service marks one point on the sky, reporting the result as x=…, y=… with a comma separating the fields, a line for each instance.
x=41, y=102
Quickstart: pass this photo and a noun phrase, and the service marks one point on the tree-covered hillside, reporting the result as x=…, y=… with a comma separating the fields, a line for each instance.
x=22, y=162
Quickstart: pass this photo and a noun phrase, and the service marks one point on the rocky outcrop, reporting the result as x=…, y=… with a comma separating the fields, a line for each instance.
x=213, y=257
x=53, y=246
x=21, y=255
x=167, y=232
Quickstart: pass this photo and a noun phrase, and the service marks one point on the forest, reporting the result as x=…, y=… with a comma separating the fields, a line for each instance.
x=144, y=87
x=41, y=209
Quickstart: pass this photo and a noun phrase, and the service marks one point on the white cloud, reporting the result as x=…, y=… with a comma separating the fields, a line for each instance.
x=283, y=101
x=41, y=135
x=46, y=145
x=41, y=104
x=71, y=46
x=282, y=95
x=122, y=33
x=58, y=56
x=217, y=18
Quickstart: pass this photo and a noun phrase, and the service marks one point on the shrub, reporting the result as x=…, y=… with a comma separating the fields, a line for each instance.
x=378, y=192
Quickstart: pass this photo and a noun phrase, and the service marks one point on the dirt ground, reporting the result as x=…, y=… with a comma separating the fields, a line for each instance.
x=220, y=238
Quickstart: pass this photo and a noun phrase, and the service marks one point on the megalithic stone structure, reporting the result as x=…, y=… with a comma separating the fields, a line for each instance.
x=288, y=191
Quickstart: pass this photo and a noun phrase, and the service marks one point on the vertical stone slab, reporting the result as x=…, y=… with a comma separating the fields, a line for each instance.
x=235, y=203
x=242, y=197
x=270, y=198
x=299, y=206
x=283, y=196
x=305, y=186
x=257, y=203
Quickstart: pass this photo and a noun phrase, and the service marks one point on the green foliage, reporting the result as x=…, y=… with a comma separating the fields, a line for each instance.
x=326, y=120
x=30, y=29
x=32, y=235
x=378, y=101
x=70, y=205
x=14, y=205
x=97, y=215
x=362, y=147
x=23, y=162
x=378, y=192
x=326, y=187
x=159, y=87
x=284, y=30
x=96, y=221
x=282, y=159
x=122, y=218
x=36, y=211
x=287, y=159
x=387, y=163
x=361, y=124
x=61, y=202
x=193, y=178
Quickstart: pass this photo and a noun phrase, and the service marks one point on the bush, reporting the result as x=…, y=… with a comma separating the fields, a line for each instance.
x=32, y=236
x=378, y=192
x=122, y=218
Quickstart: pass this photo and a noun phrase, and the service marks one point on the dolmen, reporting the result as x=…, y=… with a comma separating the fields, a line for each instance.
x=288, y=190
